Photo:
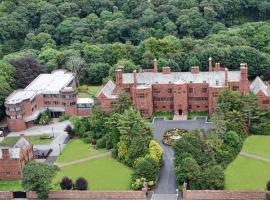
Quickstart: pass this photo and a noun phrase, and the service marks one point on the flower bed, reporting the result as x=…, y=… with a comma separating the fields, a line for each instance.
x=172, y=135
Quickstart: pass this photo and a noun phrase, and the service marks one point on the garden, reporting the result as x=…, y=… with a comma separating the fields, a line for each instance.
x=173, y=135
x=86, y=91
x=193, y=115
x=246, y=173
x=44, y=138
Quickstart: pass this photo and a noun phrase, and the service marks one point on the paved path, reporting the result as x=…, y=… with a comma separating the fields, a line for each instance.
x=167, y=182
x=253, y=156
x=56, y=130
x=61, y=165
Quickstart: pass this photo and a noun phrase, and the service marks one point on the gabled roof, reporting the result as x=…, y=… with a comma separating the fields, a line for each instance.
x=107, y=90
x=258, y=85
x=13, y=152
x=21, y=143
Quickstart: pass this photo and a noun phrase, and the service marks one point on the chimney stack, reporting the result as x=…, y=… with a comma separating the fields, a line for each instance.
x=5, y=153
x=244, y=71
x=217, y=67
x=226, y=76
x=155, y=65
x=119, y=75
x=166, y=70
x=135, y=77
x=195, y=70
x=210, y=65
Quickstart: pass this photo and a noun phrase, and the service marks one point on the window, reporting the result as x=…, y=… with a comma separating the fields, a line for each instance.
x=235, y=88
x=11, y=109
x=143, y=111
x=163, y=98
x=266, y=102
x=189, y=107
x=215, y=94
x=55, y=95
x=127, y=90
x=190, y=90
x=170, y=90
x=12, y=117
x=217, y=82
x=19, y=116
x=156, y=90
x=47, y=95
x=204, y=90
x=198, y=98
x=141, y=96
x=7, y=173
x=171, y=106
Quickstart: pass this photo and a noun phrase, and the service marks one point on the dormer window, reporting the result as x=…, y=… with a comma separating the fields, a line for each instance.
x=217, y=82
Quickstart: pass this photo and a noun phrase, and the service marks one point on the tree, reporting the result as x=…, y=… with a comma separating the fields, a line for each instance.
x=123, y=103
x=66, y=183
x=38, y=177
x=27, y=69
x=81, y=184
x=76, y=65
x=229, y=100
x=70, y=131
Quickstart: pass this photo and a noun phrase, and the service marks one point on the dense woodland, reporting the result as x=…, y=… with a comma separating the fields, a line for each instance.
x=92, y=37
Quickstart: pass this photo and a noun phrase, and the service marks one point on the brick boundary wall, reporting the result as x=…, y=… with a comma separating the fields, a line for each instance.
x=223, y=195
x=6, y=195
x=55, y=195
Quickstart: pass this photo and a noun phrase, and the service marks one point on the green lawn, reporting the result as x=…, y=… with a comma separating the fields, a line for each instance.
x=87, y=90
x=258, y=144
x=10, y=186
x=77, y=149
x=167, y=115
x=193, y=115
x=247, y=174
x=10, y=141
x=102, y=174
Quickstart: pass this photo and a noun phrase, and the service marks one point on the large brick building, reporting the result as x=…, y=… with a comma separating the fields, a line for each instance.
x=55, y=92
x=12, y=160
x=180, y=92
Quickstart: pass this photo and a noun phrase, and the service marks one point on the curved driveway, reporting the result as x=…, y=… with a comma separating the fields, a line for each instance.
x=167, y=182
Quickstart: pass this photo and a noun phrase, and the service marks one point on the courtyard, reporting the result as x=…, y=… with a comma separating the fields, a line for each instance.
x=250, y=170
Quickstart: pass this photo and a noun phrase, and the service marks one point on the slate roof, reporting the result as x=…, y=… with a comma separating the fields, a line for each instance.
x=107, y=90
x=258, y=85
x=21, y=143
x=212, y=78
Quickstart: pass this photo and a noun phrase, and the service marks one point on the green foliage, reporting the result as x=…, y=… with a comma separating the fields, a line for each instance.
x=44, y=118
x=229, y=100
x=63, y=118
x=38, y=177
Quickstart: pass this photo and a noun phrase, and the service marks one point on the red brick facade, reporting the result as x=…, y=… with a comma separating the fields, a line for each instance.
x=178, y=92
x=12, y=161
x=23, y=114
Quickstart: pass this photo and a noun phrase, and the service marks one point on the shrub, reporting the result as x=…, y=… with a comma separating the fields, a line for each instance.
x=147, y=168
x=101, y=143
x=63, y=118
x=81, y=184
x=155, y=151
x=268, y=186
x=45, y=136
x=69, y=131
x=44, y=119
x=138, y=184
x=66, y=183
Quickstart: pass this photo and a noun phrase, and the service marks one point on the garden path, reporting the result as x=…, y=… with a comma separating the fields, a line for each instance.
x=61, y=165
x=253, y=156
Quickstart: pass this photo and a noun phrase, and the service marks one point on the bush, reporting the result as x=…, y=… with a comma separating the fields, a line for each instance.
x=63, y=118
x=44, y=119
x=69, y=131
x=268, y=186
x=147, y=168
x=101, y=143
x=138, y=184
x=45, y=136
x=66, y=183
x=81, y=184
x=155, y=151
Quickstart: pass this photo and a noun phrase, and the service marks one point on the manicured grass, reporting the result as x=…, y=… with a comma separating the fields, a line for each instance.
x=193, y=115
x=10, y=141
x=258, y=144
x=10, y=186
x=87, y=90
x=247, y=174
x=77, y=149
x=102, y=174
x=167, y=115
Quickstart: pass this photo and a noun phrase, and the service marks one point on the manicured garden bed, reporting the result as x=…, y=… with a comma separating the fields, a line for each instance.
x=77, y=149
x=193, y=115
x=10, y=186
x=102, y=174
x=35, y=140
x=166, y=115
x=172, y=135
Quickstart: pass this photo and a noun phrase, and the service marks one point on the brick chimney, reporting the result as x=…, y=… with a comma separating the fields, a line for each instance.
x=226, y=76
x=210, y=65
x=119, y=75
x=135, y=77
x=244, y=71
x=155, y=65
x=244, y=86
x=5, y=153
x=217, y=67
x=166, y=70
x=195, y=70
